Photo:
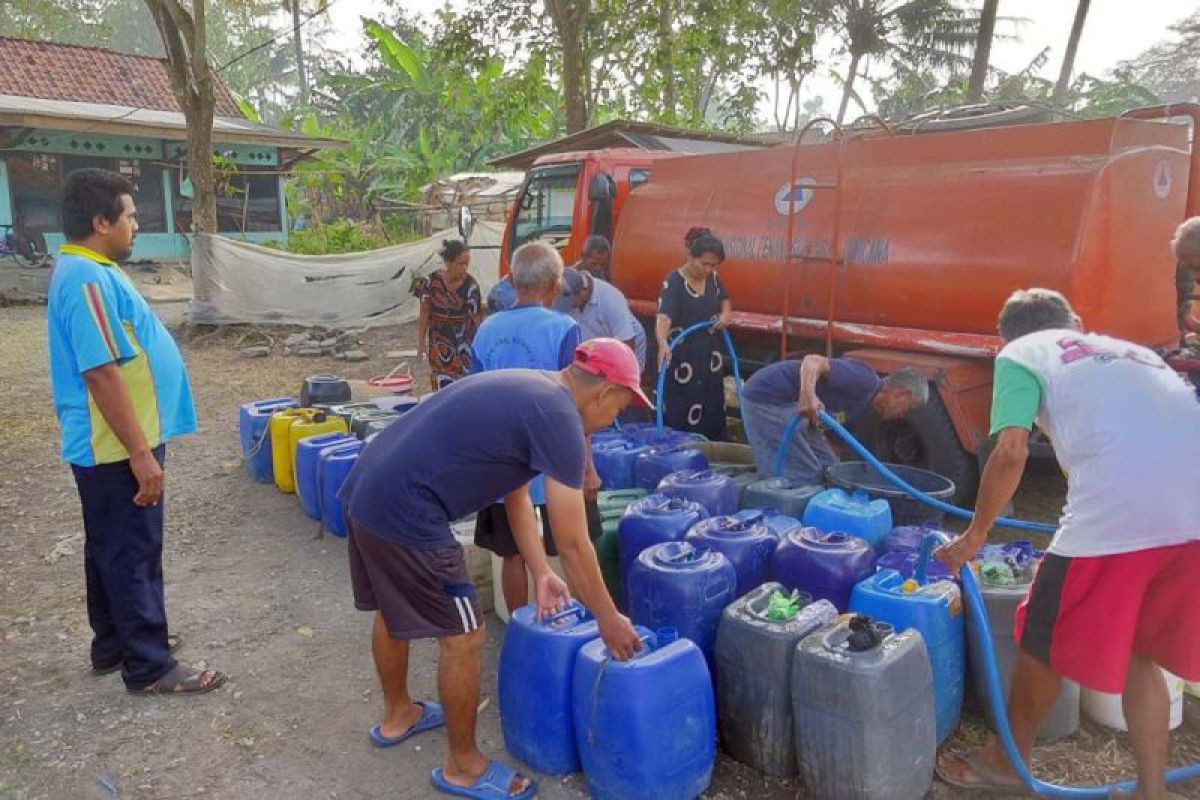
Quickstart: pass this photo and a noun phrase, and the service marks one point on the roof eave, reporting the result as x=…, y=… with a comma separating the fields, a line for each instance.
x=130, y=127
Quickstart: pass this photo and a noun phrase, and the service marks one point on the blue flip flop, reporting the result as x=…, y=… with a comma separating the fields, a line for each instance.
x=432, y=717
x=492, y=785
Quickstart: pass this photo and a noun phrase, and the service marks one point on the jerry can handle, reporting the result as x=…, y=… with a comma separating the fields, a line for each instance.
x=573, y=609
x=682, y=553
x=860, y=496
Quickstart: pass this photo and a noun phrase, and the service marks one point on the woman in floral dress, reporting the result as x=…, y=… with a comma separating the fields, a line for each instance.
x=451, y=309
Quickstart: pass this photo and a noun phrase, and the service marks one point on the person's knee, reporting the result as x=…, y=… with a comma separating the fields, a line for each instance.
x=464, y=645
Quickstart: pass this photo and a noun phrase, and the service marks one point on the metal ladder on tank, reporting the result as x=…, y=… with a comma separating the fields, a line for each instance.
x=834, y=256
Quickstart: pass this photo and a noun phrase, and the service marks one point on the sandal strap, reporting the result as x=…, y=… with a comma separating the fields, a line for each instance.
x=498, y=777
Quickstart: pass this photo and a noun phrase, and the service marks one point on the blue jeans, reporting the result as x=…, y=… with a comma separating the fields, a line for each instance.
x=808, y=455
x=122, y=560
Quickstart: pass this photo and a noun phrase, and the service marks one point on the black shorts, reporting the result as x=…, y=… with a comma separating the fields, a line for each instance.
x=422, y=594
x=493, y=533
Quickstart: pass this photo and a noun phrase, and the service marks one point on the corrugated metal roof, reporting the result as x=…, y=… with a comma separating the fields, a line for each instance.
x=623, y=133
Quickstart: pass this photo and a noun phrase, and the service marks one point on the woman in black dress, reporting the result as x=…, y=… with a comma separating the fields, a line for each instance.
x=694, y=390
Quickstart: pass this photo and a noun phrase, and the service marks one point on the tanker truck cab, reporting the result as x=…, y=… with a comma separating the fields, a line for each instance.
x=568, y=197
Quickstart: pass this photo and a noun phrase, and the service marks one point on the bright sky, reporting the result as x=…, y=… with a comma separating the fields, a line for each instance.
x=1115, y=30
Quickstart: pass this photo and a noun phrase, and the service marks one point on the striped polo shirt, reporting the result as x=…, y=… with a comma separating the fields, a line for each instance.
x=95, y=316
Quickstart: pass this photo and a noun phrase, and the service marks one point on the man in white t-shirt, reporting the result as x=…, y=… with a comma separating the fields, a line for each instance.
x=1117, y=594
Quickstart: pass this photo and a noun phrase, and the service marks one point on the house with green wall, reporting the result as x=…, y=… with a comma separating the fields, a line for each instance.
x=63, y=107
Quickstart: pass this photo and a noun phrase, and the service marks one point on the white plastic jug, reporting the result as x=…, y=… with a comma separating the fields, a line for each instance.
x=1105, y=708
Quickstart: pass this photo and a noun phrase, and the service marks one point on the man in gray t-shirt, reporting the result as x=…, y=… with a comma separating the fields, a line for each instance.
x=601, y=311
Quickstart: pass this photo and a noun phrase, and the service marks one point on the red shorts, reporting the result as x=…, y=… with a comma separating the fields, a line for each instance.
x=1085, y=617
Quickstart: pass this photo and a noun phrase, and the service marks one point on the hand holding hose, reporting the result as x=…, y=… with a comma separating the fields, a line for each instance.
x=962, y=548
x=810, y=408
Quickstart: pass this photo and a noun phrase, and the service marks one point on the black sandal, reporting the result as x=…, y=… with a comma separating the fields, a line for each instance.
x=174, y=642
x=184, y=680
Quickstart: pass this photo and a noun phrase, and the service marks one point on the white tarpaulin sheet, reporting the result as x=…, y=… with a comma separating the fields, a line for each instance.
x=238, y=282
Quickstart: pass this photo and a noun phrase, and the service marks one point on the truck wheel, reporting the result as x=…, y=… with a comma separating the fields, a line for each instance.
x=926, y=438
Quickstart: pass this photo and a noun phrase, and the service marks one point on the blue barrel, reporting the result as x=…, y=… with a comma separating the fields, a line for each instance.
x=778, y=523
x=905, y=562
x=683, y=586
x=855, y=514
x=646, y=728
x=747, y=544
x=335, y=465
x=537, y=661
x=908, y=537
x=614, y=459
x=653, y=520
x=307, y=468
x=935, y=611
x=254, y=431
x=657, y=462
x=826, y=565
x=716, y=492
x=669, y=437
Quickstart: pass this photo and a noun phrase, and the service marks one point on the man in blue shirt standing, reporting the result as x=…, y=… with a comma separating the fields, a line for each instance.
x=846, y=388
x=482, y=437
x=528, y=336
x=120, y=392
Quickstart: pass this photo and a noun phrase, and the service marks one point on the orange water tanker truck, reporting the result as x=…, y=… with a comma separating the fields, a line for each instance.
x=898, y=249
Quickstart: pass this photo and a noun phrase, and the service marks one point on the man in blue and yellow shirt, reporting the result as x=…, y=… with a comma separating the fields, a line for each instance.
x=120, y=392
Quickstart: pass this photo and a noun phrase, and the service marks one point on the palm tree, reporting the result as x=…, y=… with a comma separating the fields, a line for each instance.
x=933, y=33
x=1068, y=64
x=983, y=50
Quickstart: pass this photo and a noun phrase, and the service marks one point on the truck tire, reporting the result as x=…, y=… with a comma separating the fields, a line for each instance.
x=925, y=438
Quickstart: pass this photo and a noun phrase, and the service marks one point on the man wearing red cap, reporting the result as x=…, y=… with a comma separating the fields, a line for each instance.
x=484, y=436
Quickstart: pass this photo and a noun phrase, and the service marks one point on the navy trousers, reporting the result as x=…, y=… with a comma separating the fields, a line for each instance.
x=122, y=560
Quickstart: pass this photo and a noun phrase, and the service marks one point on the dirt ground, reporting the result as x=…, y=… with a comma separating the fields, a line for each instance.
x=254, y=593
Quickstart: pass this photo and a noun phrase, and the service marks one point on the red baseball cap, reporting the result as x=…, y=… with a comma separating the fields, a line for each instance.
x=613, y=361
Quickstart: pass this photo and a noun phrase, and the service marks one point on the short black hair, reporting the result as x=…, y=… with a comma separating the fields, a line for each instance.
x=89, y=193
x=707, y=243
x=452, y=249
x=596, y=244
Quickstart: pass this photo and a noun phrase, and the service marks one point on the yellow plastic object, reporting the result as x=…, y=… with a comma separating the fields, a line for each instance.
x=910, y=586
x=282, y=449
x=311, y=425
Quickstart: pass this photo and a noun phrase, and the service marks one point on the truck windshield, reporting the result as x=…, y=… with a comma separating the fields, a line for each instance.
x=547, y=205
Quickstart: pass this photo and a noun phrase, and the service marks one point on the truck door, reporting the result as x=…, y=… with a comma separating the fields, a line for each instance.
x=545, y=210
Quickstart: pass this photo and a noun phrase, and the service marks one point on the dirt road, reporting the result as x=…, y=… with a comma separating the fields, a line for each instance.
x=253, y=593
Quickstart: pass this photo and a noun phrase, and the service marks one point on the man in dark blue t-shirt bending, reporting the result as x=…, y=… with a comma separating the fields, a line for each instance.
x=846, y=388
x=482, y=437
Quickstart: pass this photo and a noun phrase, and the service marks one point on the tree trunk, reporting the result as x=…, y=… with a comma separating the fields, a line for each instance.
x=185, y=42
x=848, y=87
x=298, y=43
x=1068, y=64
x=983, y=50
x=666, y=56
x=570, y=19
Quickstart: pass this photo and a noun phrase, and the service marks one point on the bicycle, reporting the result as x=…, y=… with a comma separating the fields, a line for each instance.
x=25, y=251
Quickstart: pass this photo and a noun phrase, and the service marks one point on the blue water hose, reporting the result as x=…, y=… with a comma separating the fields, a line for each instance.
x=662, y=370
x=881, y=468
x=975, y=604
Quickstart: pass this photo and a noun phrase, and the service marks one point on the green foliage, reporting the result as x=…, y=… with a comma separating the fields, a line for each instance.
x=1169, y=69
x=340, y=236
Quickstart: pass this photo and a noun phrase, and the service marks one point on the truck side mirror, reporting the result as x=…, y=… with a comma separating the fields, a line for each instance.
x=602, y=188
x=466, y=222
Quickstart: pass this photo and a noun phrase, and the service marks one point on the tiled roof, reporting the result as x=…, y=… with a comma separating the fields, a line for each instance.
x=50, y=71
